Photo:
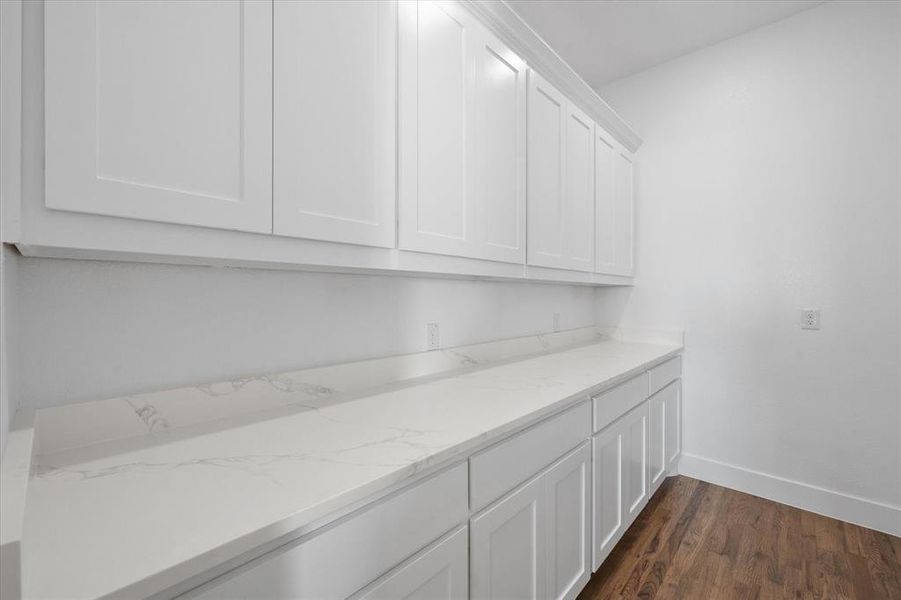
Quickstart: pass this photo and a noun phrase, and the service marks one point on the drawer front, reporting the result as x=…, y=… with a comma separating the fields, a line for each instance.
x=359, y=549
x=497, y=470
x=614, y=403
x=440, y=572
x=661, y=375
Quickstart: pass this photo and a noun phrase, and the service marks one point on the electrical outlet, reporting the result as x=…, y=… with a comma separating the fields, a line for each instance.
x=810, y=318
x=556, y=321
x=431, y=330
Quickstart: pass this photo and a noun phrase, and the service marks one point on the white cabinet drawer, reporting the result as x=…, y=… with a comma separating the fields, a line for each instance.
x=360, y=548
x=499, y=469
x=615, y=402
x=663, y=374
x=440, y=572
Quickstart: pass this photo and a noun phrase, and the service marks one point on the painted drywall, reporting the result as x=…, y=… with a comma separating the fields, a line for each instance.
x=92, y=330
x=10, y=189
x=768, y=182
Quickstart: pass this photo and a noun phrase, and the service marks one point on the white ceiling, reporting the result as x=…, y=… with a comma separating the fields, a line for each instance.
x=604, y=40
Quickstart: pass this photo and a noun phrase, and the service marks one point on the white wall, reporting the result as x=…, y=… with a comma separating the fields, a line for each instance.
x=89, y=330
x=10, y=189
x=769, y=181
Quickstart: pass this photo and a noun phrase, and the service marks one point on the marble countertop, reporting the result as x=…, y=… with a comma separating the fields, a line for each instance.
x=134, y=517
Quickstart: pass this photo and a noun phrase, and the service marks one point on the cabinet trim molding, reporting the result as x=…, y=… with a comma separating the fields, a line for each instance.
x=510, y=27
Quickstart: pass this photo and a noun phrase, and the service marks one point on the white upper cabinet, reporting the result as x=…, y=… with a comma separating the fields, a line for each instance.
x=462, y=136
x=561, y=180
x=579, y=199
x=160, y=110
x=547, y=126
x=614, y=207
x=334, y=143
x=381, y=135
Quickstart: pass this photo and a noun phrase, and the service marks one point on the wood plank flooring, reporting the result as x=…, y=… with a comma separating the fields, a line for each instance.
x=698, y=540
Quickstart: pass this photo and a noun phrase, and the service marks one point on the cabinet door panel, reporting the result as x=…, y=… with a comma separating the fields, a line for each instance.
x=335, y=120
x=635, y=462
x=160, y=111
x=546, y=152
x=579, y=212
x=624, y=217
x=499, y=151
x=434, y=110
x=508, y=546
x=443, y=107
x=673, y=424
x=605, y=156
x=657, y=440
x=608, y=524
x=438, y=573
x=568, y=530
x=462, y=136
x=561, y=181
x=614, y=207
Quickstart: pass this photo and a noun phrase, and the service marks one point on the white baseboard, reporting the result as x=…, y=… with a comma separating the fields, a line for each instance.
x=867, y=513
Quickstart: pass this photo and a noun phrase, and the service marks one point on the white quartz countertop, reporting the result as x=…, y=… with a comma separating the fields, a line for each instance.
x=136, y=517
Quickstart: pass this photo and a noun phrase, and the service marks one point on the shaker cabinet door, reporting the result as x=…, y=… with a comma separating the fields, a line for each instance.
x=335, y=101
x=672, y=400
x=635, y=462
x=579, y=197
x=608, y=524
x=624, y=213
x=568, y=511
x=462, y=136
x=160, y=110
x=561, y=181
x=508, y=546
x=656, y=440
x=546, y=174
x=614, y=207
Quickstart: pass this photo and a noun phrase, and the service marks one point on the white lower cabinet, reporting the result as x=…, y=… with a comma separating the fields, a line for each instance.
x=664, y=442
x=635, y=462
x=620, y=483
x=636, y=445
x=672, y=428
x=440, y=572
x=607, y=483
x=656, y=441
x=346, y=556
x=533, y=543
x=508, y=546
x=538, y=523
x=568, y=490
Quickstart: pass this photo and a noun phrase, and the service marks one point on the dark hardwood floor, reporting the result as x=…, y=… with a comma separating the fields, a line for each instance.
x=697, y=540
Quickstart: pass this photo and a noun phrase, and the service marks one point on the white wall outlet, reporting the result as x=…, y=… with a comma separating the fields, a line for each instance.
x=810, y=318
x=556, y=321
x=431, y=331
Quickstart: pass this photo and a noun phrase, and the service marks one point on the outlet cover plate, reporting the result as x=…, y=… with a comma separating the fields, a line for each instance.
x=810, y=318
